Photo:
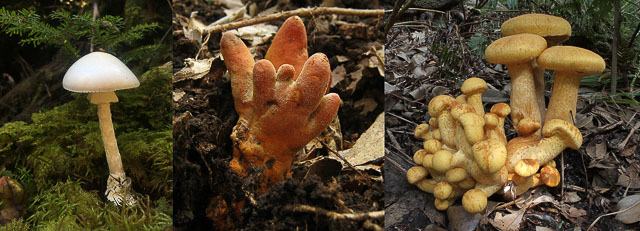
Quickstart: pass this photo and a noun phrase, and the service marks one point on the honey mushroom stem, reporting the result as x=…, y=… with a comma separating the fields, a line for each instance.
x=523, y=93
x=564, y=97
x=538, y=83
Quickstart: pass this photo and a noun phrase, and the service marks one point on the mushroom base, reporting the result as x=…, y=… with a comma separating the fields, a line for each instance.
x=119, y=190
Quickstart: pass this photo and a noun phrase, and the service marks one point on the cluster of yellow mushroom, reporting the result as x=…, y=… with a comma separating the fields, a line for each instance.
x=466, y=153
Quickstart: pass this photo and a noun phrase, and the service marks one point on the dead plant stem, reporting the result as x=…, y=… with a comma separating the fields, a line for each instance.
x=302, y=12
x=336, y=215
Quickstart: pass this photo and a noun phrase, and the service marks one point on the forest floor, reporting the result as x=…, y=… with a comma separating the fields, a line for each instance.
x=204, y=116
x=428, y=58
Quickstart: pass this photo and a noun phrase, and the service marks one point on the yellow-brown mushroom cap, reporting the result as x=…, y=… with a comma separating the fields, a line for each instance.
x=459, y=109
x=527, y=126
x=572, y=60
x=427, y=161
x=473, y=85
x=418, y=156
x=474, y=201
x=501, y=109
x=554, y=29
x=427, y=185
x=490, y=120
x=519, y=48
x=567, y=132
x=416, y=174
x=490, y=155
x=456, y=175
x=526, y=167
x=441, y=160
x=441, y=204
x=467, y=183
x=439, y=104
x=442, y=190
x=550, y=176
x=421, y=131
x=432, y=146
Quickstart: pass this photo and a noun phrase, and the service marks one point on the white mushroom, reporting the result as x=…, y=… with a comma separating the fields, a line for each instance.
x=100, y=74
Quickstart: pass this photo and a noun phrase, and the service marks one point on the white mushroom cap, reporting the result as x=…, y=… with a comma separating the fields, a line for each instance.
x=99, y=72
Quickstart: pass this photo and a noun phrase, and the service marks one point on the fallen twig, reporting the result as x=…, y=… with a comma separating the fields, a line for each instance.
x=335, y=215
x=302, y=12
x=624, y=143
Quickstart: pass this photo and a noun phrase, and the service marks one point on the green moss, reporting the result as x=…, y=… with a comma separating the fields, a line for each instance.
x=64, y=145
x=17, y=225
x=66, y=206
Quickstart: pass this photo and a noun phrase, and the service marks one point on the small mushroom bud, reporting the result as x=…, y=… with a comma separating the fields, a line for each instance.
x=432, y=146
x=443, y=204
x=467, y=183
x=442, y=190
x=416, y=174
x=526, y=167
x=456, y=175
x=418, y=156
x=474, y=201
x=550, y=176
x=442, y=160
x=421, y=131
x=427, y=161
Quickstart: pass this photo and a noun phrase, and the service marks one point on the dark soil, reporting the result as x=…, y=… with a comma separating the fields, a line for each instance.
x=205, y=115
x=426, y=57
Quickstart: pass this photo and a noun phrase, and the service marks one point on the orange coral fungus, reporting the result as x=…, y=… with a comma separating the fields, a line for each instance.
x=281, y=101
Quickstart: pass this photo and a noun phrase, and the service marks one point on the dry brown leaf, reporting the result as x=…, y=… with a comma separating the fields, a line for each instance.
x=510, y=222
x=597, y=150
x=631, y=215
x=370, y=146
x=342, y=58
x=338, y=75
x=194, y=69
x=630, y=178
x=177, y=95
x=572, y=197
x=257, y=34
x=366, y=104
x=355, y=77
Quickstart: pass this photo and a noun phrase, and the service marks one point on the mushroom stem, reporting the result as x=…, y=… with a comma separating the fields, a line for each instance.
x=118, y=184
x=538, y=79
x=103, y=100
x=109, y=139
x=523, y=94
x=564, y=97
